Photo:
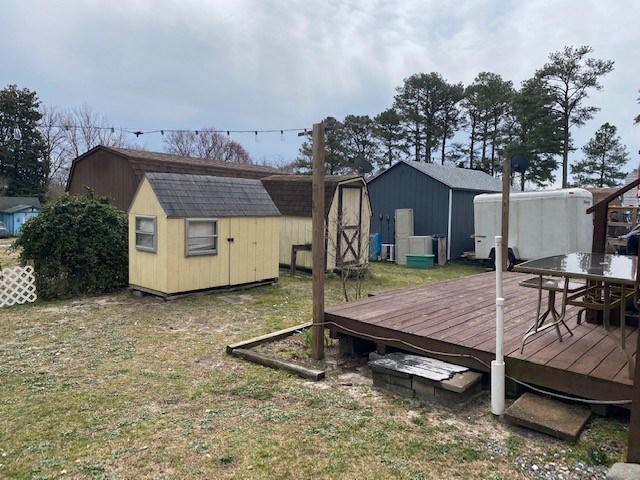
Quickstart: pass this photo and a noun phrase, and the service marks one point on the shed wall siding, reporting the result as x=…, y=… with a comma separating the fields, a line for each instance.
x=251, y=257
x=295, y=231
x=106, y=174
x=404, y=187
x=462, y=226
x=148, y=269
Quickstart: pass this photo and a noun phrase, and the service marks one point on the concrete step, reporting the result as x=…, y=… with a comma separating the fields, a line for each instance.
x=548, y=416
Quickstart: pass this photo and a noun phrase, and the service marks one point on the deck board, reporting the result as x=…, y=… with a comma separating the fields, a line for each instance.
x=458, y=317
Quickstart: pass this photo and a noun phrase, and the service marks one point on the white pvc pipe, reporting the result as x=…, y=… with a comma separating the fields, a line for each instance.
x=497, y=365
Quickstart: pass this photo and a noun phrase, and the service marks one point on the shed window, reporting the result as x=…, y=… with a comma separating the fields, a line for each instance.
x=146, y=233
x=201, y=236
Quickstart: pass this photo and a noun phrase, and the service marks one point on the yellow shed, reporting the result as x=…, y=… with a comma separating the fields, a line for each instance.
x=189, y=233
x=348, y=215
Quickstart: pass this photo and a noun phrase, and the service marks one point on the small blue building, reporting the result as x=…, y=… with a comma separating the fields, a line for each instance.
x=441, y=198
x=15, y=211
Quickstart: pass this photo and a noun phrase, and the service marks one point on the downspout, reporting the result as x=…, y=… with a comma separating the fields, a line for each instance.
x=449, y=224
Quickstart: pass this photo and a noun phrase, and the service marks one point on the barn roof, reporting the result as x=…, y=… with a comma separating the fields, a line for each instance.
x=454, y=177
x=9, y=203
x=143, y=161
x=183, y=195
x=292, y=193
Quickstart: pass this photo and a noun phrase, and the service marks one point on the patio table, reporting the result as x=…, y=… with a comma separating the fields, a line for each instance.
x=611, y=282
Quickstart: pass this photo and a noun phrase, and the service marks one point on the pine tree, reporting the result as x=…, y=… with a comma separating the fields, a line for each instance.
x=569, y=76
x=605, y=157
x=22, y=169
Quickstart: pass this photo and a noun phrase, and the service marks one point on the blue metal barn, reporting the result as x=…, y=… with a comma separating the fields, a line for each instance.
x=441, y=198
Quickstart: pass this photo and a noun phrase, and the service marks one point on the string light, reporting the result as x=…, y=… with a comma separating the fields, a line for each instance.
x=147, y=131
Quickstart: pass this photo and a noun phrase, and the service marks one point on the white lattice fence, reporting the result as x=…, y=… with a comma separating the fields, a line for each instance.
x=17, y=285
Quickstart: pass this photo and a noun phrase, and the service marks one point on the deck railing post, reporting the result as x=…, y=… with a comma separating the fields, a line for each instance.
x=497, y=365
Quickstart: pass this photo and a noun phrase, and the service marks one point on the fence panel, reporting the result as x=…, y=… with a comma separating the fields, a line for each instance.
x=17, y=286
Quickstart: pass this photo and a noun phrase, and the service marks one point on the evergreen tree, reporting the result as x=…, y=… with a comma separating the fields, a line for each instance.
x=450, y=115
x=388, y=133
x=21, y=161
x=336, y=161
x=419, y=105
x=605, y=157
x=569, y=76
x=358, y=139
x=488, y=101
x=534, y=131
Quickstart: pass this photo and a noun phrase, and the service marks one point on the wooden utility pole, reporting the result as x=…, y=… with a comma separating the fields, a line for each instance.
x=317, y=241
x=506, y=188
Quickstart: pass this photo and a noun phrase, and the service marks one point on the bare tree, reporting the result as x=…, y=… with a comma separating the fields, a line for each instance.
x=205, y=143
x=85, y=129
x=57, y=156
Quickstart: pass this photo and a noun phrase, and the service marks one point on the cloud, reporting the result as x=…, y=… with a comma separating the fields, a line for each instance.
x=251, y=64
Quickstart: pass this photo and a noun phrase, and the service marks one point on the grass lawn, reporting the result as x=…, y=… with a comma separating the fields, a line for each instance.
x=123, y=387
x=8, y=256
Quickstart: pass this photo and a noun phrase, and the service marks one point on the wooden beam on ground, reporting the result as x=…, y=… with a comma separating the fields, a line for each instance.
x=268, y=361
x=269, y=337
x=317, y=240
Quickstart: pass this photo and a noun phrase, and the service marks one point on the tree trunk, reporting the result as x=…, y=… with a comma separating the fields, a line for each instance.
x=565, y=152
x=472, y=146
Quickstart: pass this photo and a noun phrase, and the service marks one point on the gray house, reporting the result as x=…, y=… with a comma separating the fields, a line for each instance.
x=441, y=198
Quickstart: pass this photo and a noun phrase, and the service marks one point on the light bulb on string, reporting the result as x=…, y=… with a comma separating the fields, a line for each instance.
x=282, y=135
x=257, y=139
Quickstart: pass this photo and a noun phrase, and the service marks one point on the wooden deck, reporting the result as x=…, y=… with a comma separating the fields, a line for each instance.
x=458, y=316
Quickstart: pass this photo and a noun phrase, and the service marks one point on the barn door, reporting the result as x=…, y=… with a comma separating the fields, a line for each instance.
x=349, y=240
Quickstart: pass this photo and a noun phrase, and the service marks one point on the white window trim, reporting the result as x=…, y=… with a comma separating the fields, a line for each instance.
x=187, y=222
x=154, y=235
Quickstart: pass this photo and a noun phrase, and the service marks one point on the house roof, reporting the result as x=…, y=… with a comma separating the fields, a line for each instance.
x=9, y=203
x=293, y=196
x=18, y=208
x=143, y=161
x=454, y=177
x=183, y=195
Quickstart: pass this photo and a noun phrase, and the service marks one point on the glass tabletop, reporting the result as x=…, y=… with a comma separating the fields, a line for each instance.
x=591, y=266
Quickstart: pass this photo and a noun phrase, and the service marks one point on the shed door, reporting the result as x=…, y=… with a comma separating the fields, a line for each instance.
x=349, y=241
x=243, y=250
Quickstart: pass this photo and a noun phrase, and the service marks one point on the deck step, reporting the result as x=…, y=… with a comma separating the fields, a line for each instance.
x=425, y=378
x=548, y=416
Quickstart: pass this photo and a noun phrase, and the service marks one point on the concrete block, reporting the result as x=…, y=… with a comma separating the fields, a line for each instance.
x=378, y=381
x=425, y=389
x=392, y=380
x=624, y=471
x=461, y=382
x=548, y=416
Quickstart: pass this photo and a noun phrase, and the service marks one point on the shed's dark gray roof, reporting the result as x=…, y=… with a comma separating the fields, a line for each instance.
x=7, y=203
x=456, y=178
x=183, y=195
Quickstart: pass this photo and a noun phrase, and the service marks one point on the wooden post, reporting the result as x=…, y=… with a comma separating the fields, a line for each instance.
x=506, y=188
x=633, y=450
x=318, y=239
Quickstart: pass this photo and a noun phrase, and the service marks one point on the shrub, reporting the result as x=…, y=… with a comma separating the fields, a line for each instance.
x=78, y=244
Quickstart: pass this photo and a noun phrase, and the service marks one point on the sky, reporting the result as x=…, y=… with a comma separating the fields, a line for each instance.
x=275, y=65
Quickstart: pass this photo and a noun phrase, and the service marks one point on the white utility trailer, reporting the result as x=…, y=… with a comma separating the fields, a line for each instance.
x=541, y=224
